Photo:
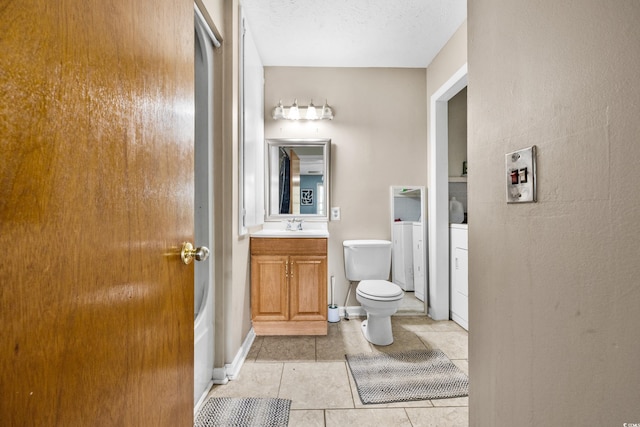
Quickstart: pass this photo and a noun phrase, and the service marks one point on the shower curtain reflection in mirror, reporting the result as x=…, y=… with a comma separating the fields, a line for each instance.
x=284, y=182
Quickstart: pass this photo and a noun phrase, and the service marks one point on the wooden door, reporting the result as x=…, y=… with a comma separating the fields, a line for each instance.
x=96, y=197
x=269, y=292
x=308, y=284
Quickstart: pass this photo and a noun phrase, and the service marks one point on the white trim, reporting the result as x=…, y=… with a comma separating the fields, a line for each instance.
x=233, y=369
x=242, y=211
x=438, y=195
x=251, y=132
x=196, y=408
x=206, y=27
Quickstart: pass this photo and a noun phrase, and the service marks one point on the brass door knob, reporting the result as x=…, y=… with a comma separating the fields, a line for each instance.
x=188, y=253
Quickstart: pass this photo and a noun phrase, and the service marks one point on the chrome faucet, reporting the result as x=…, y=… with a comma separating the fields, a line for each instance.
x=291, y=224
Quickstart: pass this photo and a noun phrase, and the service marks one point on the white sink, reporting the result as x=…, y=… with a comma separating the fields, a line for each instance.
x=291, y=233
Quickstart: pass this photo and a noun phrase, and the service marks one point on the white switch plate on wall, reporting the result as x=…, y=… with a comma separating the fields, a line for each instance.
x=335, y=214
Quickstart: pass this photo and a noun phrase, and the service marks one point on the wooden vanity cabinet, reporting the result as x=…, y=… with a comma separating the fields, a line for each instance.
x=289, y=286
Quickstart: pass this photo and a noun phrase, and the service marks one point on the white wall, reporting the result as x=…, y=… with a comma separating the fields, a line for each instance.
x=378, y=139
x=554, y=306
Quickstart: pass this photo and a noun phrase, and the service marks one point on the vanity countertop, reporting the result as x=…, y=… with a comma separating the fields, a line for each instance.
x=278, y=230
x=309, y=233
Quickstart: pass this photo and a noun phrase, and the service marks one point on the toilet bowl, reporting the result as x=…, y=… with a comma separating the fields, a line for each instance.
x=369, y=263
x=380, y=299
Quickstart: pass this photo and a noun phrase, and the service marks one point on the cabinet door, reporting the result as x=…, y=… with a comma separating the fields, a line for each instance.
x=308, y=288
x=460, y=287
x=269, y=294
x=402, y=257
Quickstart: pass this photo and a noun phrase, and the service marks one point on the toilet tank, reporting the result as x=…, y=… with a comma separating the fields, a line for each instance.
x=367, y=259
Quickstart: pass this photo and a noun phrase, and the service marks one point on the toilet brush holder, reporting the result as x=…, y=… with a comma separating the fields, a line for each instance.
x=334, y=314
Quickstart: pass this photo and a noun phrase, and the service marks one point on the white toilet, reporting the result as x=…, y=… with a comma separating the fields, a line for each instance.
x=369, y=262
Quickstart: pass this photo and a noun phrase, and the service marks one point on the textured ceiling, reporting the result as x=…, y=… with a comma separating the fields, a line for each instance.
x=352, y=33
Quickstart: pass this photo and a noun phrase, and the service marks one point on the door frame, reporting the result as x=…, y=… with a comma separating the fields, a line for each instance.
x=438, y=194
x=204, y=211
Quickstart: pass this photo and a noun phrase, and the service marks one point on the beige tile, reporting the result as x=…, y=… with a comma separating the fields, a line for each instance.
x=423, y=323
x=334, y=347
x=453, y=344
x=352, y=325
x=306, y=418
x=287, y=348
x=316, y=385
x=312, y=372
x=411, y=320
x=333, y=329
x=367, y=417
x=402, y=341
x=254, y=380
x=438, y=417
x=254, y=350
x=456, y=401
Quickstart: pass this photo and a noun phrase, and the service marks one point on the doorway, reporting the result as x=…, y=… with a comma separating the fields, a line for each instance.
x=438, y=195
x=204, y=332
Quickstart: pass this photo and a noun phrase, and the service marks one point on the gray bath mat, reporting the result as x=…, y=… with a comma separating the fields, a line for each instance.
x=406, y=376
x=243, y=412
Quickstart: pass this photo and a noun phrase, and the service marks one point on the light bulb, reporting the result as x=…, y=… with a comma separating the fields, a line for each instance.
x=327, y=113
x=312, y=114
x=294, y=113
x=278, y=111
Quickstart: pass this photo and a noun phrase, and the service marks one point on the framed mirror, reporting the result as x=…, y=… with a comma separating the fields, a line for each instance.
x=409, y=253
x=298, y=178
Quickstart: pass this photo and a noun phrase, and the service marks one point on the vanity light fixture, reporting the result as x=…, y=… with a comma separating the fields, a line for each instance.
x=296, y=112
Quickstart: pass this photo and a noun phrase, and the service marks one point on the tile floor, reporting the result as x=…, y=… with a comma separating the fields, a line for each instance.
x=313, y=373
x=410, y=304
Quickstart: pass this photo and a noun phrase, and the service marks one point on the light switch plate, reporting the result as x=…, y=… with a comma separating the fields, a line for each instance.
x=520, y=175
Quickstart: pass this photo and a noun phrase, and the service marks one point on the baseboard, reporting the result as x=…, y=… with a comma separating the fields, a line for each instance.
x=353, y=311
x=197, y=406
x=460, y=321
x=233, y=369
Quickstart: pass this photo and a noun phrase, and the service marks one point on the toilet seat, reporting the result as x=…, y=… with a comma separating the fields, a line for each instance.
x=379, y=290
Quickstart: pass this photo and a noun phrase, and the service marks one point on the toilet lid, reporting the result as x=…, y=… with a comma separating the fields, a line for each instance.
x=379, y=289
